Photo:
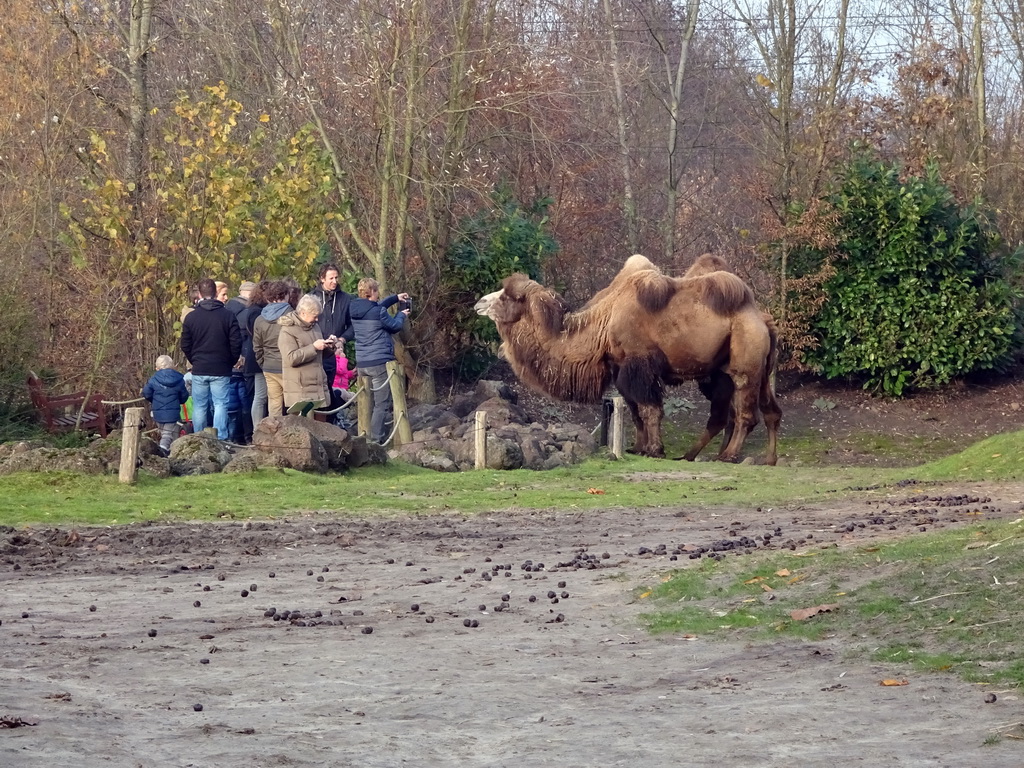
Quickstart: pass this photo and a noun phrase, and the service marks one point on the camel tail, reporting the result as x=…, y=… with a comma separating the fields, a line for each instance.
x=724, y=293
x=773, y=356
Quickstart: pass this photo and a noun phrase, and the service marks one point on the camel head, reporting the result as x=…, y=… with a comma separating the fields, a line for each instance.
x=521, y=298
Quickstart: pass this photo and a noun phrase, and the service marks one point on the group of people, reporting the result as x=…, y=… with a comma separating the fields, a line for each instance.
x=272, y=350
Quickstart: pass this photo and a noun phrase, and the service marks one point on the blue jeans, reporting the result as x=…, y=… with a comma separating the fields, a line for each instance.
x=204, y=390
x=382, y=406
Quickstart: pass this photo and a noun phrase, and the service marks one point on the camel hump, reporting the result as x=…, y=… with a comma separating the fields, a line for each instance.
x=724, y=293
x=654, y=290
x=637, y=263
x=706, y=264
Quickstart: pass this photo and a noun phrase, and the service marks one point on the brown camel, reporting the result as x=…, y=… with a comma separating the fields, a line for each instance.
x=718, y=387
x=644, y=331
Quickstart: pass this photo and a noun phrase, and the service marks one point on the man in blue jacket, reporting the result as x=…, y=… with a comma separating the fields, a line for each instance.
x=212, y=342
x=373, y=326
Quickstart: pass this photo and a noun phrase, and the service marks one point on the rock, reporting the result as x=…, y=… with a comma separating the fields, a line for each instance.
x=198, y=454
x=363, y=452
x=157, y=466
x=293, y=440
x=502, y=453
x=243, y=463
x=429, y=457
x=430, y=417
x=487, y=389
x=501, y=412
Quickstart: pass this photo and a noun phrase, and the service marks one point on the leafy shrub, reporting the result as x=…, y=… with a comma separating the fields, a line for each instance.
x=504, y=238
x=918, y=295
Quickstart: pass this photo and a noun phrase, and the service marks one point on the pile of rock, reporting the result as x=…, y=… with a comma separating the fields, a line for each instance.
x=286, y=442
x=443, y=438
x=291, y=442
x=100, y=457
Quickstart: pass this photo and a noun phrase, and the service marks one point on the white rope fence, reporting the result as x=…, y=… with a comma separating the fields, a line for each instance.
x=124, y=402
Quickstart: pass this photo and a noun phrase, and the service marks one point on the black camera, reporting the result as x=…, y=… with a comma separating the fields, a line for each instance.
x=406, y=304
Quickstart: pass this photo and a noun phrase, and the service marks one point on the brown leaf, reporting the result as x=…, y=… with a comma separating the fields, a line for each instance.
x=595, y=490
x=894, y=682
x=806, y=613
x=783, y=572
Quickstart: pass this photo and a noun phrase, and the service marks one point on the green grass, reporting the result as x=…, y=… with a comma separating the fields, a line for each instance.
x=940, y=601
x=629, y=484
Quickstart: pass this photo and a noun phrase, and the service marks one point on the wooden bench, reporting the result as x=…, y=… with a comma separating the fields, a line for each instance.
x=61, y=412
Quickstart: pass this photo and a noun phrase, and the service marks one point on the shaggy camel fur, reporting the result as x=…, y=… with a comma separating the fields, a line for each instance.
x=644, y=331
x=718, y=387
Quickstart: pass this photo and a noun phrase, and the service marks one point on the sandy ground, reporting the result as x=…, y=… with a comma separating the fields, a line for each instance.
x=572, y=683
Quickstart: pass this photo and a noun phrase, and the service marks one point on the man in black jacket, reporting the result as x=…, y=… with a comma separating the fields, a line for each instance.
x=242, y=380
x=212, y=342
x=334, y=321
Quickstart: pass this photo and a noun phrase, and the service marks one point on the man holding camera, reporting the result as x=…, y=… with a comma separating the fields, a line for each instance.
x=373, y=327
x=334, y=321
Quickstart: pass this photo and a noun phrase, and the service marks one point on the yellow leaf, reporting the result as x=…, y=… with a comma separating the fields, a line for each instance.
x=996, y=455
x=264, y=118
x=894, y=682
x=795, y=579
x=645, y=594
x=753, y=580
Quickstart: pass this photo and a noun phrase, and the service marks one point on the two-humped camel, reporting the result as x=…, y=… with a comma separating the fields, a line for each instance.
x=644, y=332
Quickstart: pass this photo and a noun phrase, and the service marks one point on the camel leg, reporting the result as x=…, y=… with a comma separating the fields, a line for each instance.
x=640, y=385
x=719, y=390
x=744, y=411
x=652, y=415
x=647, y=420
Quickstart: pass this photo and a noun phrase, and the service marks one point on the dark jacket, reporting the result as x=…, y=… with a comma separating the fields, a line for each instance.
x=236, y=307
x=335, y=318
x=247, y=322
x=166, y=391
x=211, y=339
x=265, y=334
x=373, y=326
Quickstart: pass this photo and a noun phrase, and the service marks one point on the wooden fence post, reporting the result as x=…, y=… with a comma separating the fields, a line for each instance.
x=480, y=439
x=618, y=424
x=364, y=406
x=130, y=444
x=399, y=409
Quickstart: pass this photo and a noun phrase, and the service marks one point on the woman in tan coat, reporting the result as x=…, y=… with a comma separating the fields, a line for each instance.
x=302, y=347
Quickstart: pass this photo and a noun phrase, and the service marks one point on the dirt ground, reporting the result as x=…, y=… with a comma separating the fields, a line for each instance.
x=112, y=639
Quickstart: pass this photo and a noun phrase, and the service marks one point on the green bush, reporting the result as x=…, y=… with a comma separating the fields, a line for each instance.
x=920, y=293
x=504, y=238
